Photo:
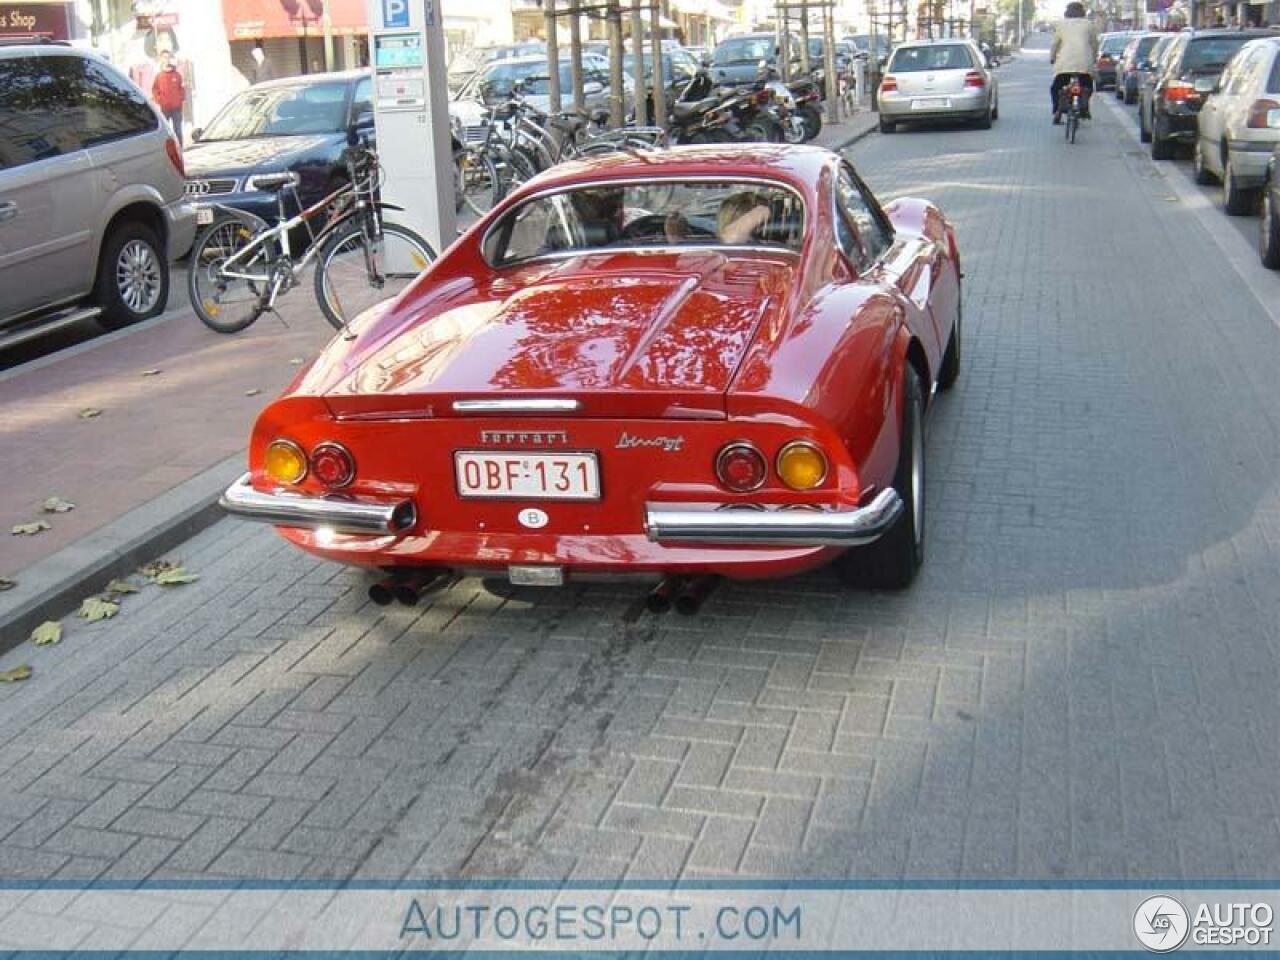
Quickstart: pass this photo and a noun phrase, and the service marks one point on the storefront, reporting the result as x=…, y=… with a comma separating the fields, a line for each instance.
x=36, y=18
x=291, y=34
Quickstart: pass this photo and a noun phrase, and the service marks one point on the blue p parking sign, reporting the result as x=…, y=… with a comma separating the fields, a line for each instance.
x=395, y=13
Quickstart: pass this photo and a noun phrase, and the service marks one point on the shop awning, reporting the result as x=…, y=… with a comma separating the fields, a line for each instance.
x=263, y=19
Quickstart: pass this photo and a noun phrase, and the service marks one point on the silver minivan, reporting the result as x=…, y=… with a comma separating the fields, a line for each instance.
x=92, y=204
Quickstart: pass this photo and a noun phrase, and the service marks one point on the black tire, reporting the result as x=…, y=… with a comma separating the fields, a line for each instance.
x=887, y=126
x=764, y=129
x=1161, y=145
x=1236, y=200
x=811, y=117
x=984, y=121
x=133, y=276
x=1130, y=98
x=995, y=111
x=1269, y=232
x=351, y=237
x=950, y=372
x=239, y=309
x=892, y=561
x=1144, y=132
x=1199, y=171
x=479, y=187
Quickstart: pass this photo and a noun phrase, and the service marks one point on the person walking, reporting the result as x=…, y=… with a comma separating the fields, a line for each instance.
x=169, y=92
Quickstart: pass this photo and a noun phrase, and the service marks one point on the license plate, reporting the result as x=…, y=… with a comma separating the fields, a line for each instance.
x=932, y=103
x=527, y=476
x=204, y=216
x=536, y=576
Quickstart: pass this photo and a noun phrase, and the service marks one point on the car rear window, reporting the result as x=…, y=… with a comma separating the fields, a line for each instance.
x=656, y=213
x=1114, y=45
x=744, y=49
x=947, y=56
x=1145, y=45
x=1211, y=53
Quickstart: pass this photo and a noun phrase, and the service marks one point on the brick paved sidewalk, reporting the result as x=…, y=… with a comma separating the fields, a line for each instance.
x=833, y=136
x=153, y=433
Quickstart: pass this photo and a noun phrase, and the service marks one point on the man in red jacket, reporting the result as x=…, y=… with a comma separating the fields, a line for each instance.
x=169, y=92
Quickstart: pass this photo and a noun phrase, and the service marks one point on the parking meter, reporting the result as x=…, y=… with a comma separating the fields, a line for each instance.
x=411, y=115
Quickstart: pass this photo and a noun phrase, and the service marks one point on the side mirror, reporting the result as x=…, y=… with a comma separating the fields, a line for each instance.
x=364, y=120
x=196, y=134
x=593, y=88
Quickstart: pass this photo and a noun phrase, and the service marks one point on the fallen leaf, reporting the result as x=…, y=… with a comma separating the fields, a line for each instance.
x=155, y=568
x=29, y=529
x=252, y=393
x=48, y=632
x=58, y=505
x=151, y=373
x=121, y=587
x=88, y=413
x=7, y=584
x=95, y=608
x=175, y=577
x=16, y=674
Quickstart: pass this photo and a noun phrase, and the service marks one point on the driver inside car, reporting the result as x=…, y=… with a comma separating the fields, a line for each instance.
x=741, y=215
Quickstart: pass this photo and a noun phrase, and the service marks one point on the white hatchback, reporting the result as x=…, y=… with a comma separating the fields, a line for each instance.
x=937, y=80
x=1239, y=125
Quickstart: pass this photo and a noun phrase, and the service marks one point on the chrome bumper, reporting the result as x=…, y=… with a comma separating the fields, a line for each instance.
x=775, y=528
x=341, y=515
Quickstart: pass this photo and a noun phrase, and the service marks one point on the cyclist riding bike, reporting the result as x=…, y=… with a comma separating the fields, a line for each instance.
x=1073, y=54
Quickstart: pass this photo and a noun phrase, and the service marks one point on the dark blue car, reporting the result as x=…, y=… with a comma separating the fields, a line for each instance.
x=298, y=124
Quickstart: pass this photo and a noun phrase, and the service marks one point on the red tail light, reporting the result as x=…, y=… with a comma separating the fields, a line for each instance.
x=175, y=157
x=1258, y=114
x=741, y=467
x=974, y=79
x=1075, y=90
x=889, y=84
x=763, y=96
x=1178, y=92
x=332, y=465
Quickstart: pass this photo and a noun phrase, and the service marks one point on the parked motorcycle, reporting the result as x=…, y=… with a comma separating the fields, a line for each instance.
x=808, y=100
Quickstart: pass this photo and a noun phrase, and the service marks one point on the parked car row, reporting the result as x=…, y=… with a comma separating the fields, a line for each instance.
x=1217, y=91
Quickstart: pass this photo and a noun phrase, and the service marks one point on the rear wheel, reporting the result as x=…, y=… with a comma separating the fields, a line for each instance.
x=479, y=186
x=950, y=371
x=355, y=273
x=1161, y=145
x=984, y=121
x=811, y=117
x=892, y=561
x=1269, y=232
x=887, y=126
x=225, y=304
x=1144, y=132
x=133, y=276
x=1236, y=199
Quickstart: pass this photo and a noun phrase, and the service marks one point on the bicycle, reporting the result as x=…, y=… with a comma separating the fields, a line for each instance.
x=1071, y=98
x=241, y=265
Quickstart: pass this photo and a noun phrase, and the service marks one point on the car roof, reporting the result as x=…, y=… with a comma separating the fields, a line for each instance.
x=306, y=78
x=795, y=166
x=934, y=42
x=1234, y=32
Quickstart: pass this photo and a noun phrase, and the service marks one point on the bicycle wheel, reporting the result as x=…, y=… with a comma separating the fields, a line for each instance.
x=480, y=184
x=354, y=274
x=1072, y=122
x=225, y=304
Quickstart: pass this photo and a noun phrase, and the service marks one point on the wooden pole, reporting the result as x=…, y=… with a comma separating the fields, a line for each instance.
x=575, y=54
x=829, y=62
x=805, y=67
x=613, y=13
x=637, y=67
x=553, y=59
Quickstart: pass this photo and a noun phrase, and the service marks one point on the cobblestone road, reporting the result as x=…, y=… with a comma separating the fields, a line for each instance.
x=1082, y=684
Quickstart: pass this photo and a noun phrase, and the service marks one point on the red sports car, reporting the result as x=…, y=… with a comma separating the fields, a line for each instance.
x=685, y=364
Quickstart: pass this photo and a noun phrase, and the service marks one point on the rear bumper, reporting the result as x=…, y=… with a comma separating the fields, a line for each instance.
x=898, y=106
x=181, y=217
x=360, y=515
x=782, y=528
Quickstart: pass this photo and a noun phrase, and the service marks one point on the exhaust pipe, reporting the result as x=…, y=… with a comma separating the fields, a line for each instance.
x=660, y=597
x=411, y=588
x=690, y=600
x=383, y=592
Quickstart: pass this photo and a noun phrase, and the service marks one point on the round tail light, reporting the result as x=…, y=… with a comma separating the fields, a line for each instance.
x=285, y=462
x=741, y=467
x=332, y=465
x=802, y=465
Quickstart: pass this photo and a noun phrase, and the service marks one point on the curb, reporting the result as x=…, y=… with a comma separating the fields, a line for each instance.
x=854, y=138
x=54, y=586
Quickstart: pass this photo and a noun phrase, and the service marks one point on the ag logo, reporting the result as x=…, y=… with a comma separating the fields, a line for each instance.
x=533, y=518
x=1161, y=924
